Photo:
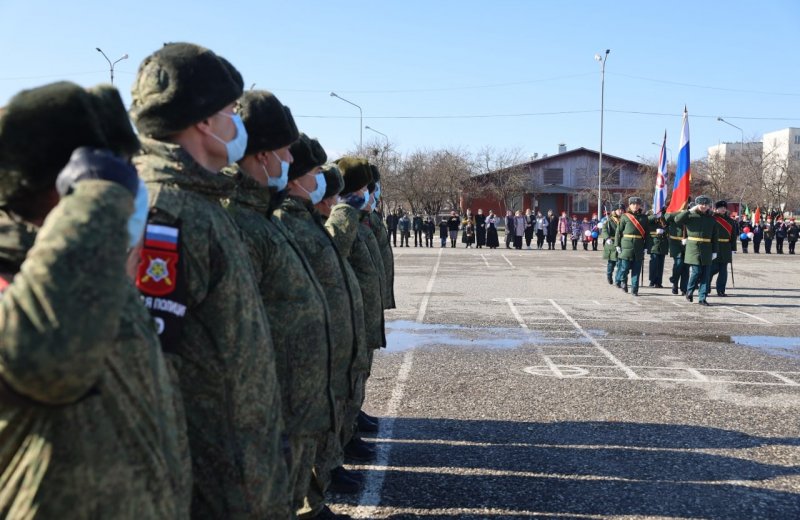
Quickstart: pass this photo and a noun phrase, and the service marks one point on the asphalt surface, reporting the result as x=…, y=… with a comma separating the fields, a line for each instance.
x=520, y=384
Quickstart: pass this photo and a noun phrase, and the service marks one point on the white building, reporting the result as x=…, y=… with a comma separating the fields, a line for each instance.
x=733, y=151
x=782, y=145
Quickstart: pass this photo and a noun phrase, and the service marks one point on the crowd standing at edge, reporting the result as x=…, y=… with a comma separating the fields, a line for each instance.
x=189, y=315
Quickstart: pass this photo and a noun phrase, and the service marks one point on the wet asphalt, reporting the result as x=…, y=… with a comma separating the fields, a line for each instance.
x=519, y=384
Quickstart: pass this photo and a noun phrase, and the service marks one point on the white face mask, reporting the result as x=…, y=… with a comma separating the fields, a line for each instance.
x=236, y=147
x=138, y=218
x=319, y=192
x=279, y=183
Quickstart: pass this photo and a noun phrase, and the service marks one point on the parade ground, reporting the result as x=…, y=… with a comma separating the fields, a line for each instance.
x=519, y=384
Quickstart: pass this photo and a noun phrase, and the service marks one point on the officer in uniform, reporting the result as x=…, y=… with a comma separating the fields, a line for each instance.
x=91, y=425
x=629, y=242
x=658, y=246
x=293, y=297
x=197, y=280
x=608, y=234
x=677, y=249
x=726, y=238
x=701, y=246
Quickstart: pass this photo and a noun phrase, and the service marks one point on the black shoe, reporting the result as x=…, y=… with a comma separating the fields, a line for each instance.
x=359, y=451
x=683, y=293
x=689, y=297
x=610, y=281
x=652, y=284
x=327, y=514
x=365, y=425
x=342, y=481
x=635, y=293
x=659, y=286
x=625, y=287
x=703, y=302
x=674, y=289
x=721, y=294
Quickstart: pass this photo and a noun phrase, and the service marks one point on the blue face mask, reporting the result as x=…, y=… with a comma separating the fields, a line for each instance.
x=236, y=146
x=357, y=200
x=377, y=193
x=279, y=183
x=138, y=219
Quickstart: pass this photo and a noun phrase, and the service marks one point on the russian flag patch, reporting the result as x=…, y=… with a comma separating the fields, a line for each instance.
x=161, y=237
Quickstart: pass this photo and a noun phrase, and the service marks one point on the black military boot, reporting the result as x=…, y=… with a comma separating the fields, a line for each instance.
x=610, y=281
x=674, y=288
x=625, y=286
x=345, y=482
x=359, y=451
x=366, y=425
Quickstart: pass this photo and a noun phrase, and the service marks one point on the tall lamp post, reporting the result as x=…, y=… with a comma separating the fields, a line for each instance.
x=602, y=59
x=110, y=63
x=379, y=132
x=741, y=150
x=360, y=121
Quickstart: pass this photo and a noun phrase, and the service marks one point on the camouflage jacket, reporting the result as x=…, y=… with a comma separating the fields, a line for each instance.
x=197, y=280
x=304, y=222
x=609, y=232
x=351, y=237
x=382, y=236
x=88, y=424
x=296, y=307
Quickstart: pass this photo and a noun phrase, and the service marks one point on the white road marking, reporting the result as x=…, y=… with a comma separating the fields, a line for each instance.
x=371, y=495
x=485, y=261
x=522, y=324
x=507, y=260
x=790, y=382
x=622, y=366
x=747, y=314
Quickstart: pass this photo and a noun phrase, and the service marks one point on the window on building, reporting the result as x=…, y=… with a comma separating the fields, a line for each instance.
x=797, y=155
x=553, y=176
x=797, y=139
x=580, y=204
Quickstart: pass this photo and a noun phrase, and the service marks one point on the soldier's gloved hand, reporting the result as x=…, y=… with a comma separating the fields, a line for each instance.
x=94, y=163
x=660, y=231
x=619, y=250
x=609, y=241
x=733, y=252
x=647, y=251
x=713, y=256
x=683, y=242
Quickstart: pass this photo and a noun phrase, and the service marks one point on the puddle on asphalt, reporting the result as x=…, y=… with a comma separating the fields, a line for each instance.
x=402, y=335
x=773, y=345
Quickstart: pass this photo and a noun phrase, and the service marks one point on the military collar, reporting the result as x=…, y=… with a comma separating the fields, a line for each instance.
x=169, y=163
x=248, y=192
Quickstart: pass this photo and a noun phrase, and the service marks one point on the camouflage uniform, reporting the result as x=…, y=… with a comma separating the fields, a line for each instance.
x=215, y=333
x=305, y=223
x=608, y=233
x=299, y=320
x=89, y=428
x=382, y=236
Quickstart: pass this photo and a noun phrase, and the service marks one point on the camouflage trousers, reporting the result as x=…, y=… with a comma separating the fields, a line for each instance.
x=303, y=449
x=329, y=455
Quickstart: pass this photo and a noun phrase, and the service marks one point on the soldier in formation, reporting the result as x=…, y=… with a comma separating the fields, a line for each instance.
x=701, y=246
x=213, y=363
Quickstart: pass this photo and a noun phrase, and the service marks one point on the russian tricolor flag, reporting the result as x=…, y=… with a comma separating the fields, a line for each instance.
x=161, y=237
x=683, y=174
x=660, y=196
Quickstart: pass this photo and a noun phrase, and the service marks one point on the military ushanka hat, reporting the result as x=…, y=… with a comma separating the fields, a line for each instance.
x=721, y=204
x=355, y=172
x=305, y=158
x=635, y=200
x=702, y=199
x=39, y=130
x=376, y=178
x=269, y=123
x=179, y=85
x=620, y=206
x=333, y=180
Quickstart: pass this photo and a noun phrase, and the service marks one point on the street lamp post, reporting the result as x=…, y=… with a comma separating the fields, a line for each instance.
x=379, y=132
x=602, y=60
x=360, y=121
x=669, y=150
x=741, y=151
x=110, y=64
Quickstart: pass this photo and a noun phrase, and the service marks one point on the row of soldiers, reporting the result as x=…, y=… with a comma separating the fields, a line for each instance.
x=700, y=241
x=188, y=315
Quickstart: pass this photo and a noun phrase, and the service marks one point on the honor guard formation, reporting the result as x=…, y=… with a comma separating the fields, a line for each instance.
x=189, y=310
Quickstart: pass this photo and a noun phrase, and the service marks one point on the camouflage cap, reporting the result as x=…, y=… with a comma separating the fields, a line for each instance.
x=304, y=158
x=39, y=130
x=269, y=123
x=179, y=85
x=333, y=180
x=356, y=173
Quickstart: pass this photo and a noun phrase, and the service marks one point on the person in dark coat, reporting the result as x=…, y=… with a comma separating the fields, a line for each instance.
x=443, y=232
x=726, y=240
x=492, y=240
x=404, y=224
x=480, y=229
x=416, y=226
x=780, y=236
x=769, y=235
x=744, y=237
x=529, y=224
x=391, y=225
x=758, y=235
x=453, y=223
x=509, y=229
x=552, y=229
x=429, y=228
x=701, y=246
x=791, y=235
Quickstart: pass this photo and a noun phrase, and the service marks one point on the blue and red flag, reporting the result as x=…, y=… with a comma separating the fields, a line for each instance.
x=660, y=196
x=683, y=173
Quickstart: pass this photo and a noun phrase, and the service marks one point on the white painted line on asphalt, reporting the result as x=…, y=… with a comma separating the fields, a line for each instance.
x=636, y=303
x=522, y=324
x=507, y=260
x=485, y=261
x=371, y=495
x=582, y=372
x=676, y=304
x=696, y=373
x=622, y=366
x=423, y=306
x=747, y=314
x=597, y=303
x=785, y=379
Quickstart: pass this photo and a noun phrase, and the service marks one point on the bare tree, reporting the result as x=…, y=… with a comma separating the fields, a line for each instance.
x=507, y=176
